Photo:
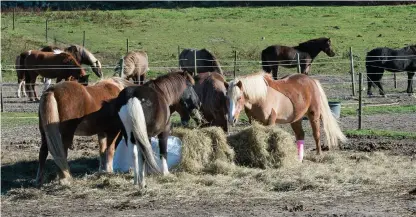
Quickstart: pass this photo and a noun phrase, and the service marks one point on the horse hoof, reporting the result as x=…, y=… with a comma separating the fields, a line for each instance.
x=65, y=182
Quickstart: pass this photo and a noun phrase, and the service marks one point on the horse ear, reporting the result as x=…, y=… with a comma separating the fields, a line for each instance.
x=239, y=85
x=226, y=85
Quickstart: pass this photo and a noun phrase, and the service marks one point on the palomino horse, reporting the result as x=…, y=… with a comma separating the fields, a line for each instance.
x=212, y=92
x=285, y=101
x=61, y=66
x=206, y=61
x=69, y=109
x=144, y=112
x=81, y=54
x=384, y=58
x=278, y=55
x=134, y=65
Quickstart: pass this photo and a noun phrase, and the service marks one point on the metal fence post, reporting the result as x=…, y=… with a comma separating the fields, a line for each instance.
x=195, y=66
x=127, y=45
x=83, y=38
x=395, y=80
x=360, y=99
x=122, y=66
x=13, y=18
x=46, y=31
x=179, y=60
x=352, y=72
x=235, y=62
x=298, y=61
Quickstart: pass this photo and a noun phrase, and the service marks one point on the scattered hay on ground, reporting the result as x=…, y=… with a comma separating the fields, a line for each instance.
x=264, y=147
x=205, y=150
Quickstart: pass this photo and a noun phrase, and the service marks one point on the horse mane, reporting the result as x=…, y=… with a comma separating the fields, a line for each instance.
x=312, y=42
x=254, y=86
x=171, y=84
x=86, y=54
x=119, y=82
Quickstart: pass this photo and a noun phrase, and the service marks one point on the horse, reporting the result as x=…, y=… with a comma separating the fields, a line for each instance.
x=50, y=65
x=144, y=112
x=278, y=55
x=284, y=101
x=392, y=60
x=206, y=61
x=134, y=65
x=69, y=108
x=211, y=88
x=83, y=56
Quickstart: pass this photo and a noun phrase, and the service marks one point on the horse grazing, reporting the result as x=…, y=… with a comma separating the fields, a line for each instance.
x=83, y=56
x=68, y=109
x=134, y=65
x=206, y=61
x=278, y=55
x=284, y=101
x=61, y=66
x=384, y=58
x=212, y=92
x=144, y=112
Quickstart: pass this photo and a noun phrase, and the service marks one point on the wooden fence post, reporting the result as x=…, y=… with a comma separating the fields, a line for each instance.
x=1, y=93
x=127, y=45
x=298, y=61
x=235, y=62
x=395, y=80
x=352, y=72
x=196, y=70
x=46, y=31
x=360, y=99
x=179, y=60
x=83, y=38
x=13, y=18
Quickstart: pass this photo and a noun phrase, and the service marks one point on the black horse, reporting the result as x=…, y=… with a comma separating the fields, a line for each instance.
x=278, y=55
x=384, y=58
x=206, y=61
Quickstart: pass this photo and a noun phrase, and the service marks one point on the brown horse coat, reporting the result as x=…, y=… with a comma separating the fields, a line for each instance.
x=134, y=65
x=61, y=66
x=212, y=93
x=69, y=109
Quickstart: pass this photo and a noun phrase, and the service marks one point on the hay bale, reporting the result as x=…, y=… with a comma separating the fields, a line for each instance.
x=264, y=147
x=204, y=150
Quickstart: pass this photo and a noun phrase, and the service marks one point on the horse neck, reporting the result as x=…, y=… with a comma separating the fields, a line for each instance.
x=170, y=95
x=311, y=50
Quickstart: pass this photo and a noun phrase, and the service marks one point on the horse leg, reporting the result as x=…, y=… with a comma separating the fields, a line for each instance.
x=300, y=137
x=112, y=138
x=272, y=118
x=314, y=120
x=102, y=141
x=410, y=82
x=24, y=89
x=381, y=90
x=163, y=149
x=43, y=154
x=19, y=89
x=67, y=139
x=142, y=78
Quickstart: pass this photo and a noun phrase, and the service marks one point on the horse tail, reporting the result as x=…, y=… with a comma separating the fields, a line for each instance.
x=264, y=62
x=136, y=124
x=332, y=130
x=49, y=119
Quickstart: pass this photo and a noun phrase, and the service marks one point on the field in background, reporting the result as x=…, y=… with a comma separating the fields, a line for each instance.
x=221, y=30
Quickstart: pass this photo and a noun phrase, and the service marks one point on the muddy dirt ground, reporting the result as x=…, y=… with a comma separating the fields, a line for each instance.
x=20, y=145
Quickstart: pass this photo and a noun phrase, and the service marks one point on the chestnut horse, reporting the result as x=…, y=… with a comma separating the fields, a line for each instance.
x=278, y=55
x=285, y=101
x=211, y=88
x=144, y=112
x=68, y=109
x=61, y=66
x=134, y=65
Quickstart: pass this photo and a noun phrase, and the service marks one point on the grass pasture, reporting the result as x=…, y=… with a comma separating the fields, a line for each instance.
x=372, y=175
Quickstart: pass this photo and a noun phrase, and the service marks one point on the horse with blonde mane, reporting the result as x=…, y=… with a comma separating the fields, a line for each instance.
x=134, y=65
x=285, y=101
x=69, y=108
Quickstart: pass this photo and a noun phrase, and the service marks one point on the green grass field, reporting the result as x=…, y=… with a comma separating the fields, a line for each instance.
x=221, y=30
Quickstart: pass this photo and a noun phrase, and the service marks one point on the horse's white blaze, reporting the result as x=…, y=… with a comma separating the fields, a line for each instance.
x=231, y=111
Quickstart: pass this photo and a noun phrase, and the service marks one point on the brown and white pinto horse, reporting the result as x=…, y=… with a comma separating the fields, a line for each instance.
x=144, y=111
x=285, y=101
x=69, y=109
x=278, y=55
x=61, y=66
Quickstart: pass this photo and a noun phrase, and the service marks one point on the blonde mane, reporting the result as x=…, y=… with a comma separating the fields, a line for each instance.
x=119, y=82
x=254, y=87
x=88, y=55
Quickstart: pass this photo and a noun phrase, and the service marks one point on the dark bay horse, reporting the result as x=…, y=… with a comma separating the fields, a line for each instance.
x=61, y=66
x=206, y=61
x=144, y=112
x=211, y=88
x=285, y=101
x=81, y=54
x=69, y=108
x=392, y=60
x=278, y=55
x=134, y=65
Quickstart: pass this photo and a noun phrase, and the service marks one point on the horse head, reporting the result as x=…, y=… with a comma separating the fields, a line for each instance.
x=189, y=103
x=235, y=100
x=326, y=47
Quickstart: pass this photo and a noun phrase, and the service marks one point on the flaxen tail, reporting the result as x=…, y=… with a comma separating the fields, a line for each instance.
x=139, y=130
x=332, y=130
x=49, y=118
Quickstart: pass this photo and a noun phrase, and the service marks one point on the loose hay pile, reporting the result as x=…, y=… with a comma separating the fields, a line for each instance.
x=209, y=150
x=264, y=147
x=205, y=150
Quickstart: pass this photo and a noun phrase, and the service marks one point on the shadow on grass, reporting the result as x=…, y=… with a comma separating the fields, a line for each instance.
x=23, y=174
